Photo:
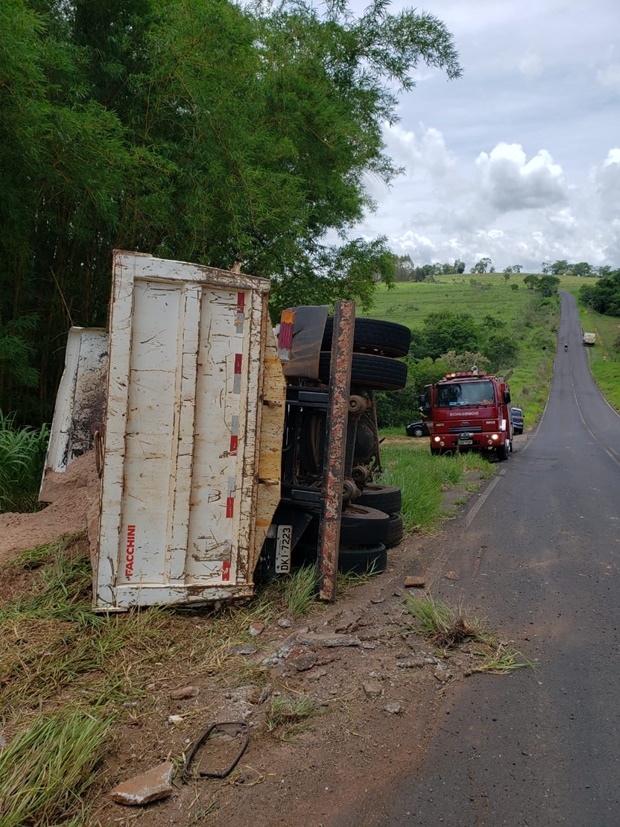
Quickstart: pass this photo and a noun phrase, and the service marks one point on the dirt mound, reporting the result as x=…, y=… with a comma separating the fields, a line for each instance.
x=73, y=498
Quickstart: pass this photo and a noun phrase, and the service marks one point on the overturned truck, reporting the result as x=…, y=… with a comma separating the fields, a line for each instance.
x=226, y=455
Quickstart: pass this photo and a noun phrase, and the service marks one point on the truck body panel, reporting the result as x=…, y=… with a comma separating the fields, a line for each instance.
x=81, y=398
x=589, y=339
x=191, y=470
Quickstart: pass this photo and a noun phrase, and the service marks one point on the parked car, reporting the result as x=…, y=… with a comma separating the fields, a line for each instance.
x=517, y=420
x=418, y=428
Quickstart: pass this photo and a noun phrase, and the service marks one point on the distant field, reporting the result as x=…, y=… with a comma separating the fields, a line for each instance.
x=410, y=302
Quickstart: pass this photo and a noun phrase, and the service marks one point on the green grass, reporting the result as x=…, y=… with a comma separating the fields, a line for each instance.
x=299, y=590
x=288, y=717
x=422, y=478
x=22, y=455
x=46, y=770
x=448, y=627
x=409, y=302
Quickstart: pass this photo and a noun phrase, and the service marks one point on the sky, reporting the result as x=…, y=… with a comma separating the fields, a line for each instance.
x=519, y=159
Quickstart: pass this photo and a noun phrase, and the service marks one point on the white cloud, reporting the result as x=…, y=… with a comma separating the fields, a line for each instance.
x=607, y=184
x=610, y=76
x=513, y=160
x=510, y=182
x=427, y=153
x=530, y=65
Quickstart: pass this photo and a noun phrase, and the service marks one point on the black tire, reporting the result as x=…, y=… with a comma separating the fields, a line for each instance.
x=395, y=531
x=380, y=372
x=503, y=452
x=360, y=525
x=386, y=498
x=353, y=559
x=373, y=336
x=435, y=452
x=362, y=559
x=418, y=432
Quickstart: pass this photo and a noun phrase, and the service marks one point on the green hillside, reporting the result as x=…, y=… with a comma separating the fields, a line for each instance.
x=532, y=325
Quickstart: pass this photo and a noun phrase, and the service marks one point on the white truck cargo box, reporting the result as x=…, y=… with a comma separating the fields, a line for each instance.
x=193, y=434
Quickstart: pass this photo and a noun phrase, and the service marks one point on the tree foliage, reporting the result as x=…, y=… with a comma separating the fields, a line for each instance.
x=205, y=131
x=604, y=296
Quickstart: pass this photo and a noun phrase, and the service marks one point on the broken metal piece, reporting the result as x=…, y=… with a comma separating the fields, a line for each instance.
x=242, y=727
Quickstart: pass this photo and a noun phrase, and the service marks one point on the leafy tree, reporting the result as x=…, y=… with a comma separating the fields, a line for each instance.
x=548, y=285
x=559, y=268
x=582, y=269
x=465, y=361
x=446, y=331
x=484, y=265
x=403, y=268
x=427, y=371
x=531, y=281
x=604, y=296
x=205, y=131
x=501, y=350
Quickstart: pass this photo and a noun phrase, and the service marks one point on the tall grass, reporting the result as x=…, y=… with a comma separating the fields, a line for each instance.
x=46, y=769
x=22, y=454
x=422, y=478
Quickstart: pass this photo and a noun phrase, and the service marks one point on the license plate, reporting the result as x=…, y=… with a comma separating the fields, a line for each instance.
x=284, y=539
x=466, y=442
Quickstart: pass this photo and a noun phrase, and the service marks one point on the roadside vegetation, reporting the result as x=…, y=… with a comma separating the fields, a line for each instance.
x=500, y=324
x=22, y=455
x=423, y=478
x=450, y=628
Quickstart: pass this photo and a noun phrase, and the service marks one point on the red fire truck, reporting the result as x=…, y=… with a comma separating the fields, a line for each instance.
x=470, y=412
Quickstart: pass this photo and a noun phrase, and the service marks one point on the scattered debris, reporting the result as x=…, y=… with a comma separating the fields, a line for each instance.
x=242, y=650
x=257, y=695
x=152, y=785
x=393, y=708
x=185, y=692
x=410, y=663
x=327, y=641
x=285, y=623
x=302, y=663
x=452, y=575
x=257, y=627
x=372, y=689
x=240, y=728
x=412, y=582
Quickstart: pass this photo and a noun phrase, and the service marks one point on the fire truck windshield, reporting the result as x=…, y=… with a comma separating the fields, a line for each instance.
x=463, y=394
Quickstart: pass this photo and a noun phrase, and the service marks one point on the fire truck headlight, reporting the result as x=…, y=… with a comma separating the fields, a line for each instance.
x=495, y=436
x=436, y=439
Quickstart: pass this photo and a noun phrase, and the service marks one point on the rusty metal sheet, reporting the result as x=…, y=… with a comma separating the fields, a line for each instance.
x=335, y=446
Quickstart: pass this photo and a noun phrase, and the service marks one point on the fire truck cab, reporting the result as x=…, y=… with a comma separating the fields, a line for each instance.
x=470, y=412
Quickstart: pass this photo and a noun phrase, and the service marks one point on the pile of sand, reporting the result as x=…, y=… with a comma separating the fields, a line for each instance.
x=73, y=498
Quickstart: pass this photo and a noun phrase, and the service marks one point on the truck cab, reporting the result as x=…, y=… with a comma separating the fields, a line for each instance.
x=469, y=412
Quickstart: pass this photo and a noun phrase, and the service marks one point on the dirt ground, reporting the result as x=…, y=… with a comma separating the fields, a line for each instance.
x=376, y=688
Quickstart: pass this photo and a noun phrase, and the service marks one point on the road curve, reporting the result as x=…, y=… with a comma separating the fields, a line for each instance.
x=540, y=558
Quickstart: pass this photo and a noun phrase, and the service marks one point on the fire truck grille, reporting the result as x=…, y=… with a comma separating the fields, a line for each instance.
x=467, y=429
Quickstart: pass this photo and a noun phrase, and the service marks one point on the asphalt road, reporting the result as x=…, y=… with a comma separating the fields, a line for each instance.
x=538, y=553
